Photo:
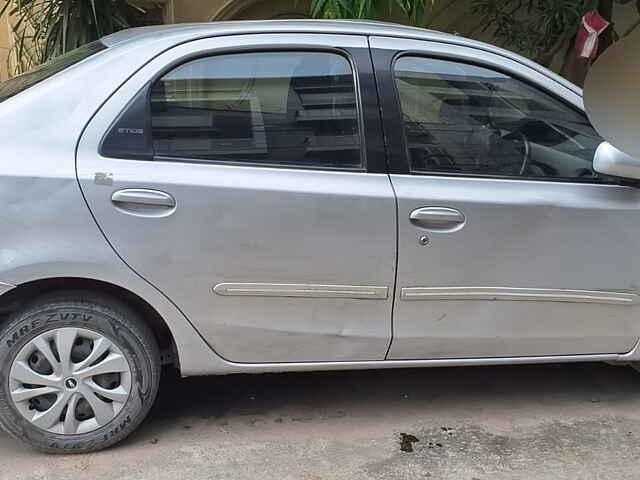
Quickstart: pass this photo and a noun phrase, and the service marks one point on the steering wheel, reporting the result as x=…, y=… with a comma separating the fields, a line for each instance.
x=526, y=154
x=491, y=145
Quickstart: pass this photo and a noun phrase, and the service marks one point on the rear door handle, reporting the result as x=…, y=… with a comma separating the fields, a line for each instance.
x=144, y=202
x=438, y=219
x=143, y=196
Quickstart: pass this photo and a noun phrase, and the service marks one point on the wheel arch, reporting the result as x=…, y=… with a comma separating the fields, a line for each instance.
x=21, y=294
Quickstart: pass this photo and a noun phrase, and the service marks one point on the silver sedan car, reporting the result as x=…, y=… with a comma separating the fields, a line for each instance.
x=297, y=195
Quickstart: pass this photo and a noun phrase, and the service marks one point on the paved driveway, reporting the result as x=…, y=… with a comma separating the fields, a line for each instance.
x=527, y=422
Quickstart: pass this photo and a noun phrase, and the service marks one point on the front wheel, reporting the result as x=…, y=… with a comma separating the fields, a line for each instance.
x=78, y=371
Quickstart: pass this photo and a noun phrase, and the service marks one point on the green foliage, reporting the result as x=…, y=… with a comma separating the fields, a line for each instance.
x=342, y=9
x=535, y=28
x=413, y=10
x=44, y=29
x=532, y=27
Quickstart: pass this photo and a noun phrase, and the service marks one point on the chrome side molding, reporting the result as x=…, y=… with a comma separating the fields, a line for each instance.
x=521, y=294
x=424, y=293
x=301, y=290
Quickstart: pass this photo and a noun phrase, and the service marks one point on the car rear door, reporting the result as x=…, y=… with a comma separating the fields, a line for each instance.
x=232, y=174
x=509, y=244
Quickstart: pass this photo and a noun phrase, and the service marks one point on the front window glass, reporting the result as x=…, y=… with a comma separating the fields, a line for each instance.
x=285, y=108
x=464, y=119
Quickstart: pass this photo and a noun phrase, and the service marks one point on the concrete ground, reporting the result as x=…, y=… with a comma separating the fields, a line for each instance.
x=579, y=421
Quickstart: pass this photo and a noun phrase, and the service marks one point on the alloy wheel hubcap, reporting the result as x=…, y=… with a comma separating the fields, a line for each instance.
x=70, y=381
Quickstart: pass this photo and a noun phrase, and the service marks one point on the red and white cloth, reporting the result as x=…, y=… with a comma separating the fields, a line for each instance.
x=587, y=38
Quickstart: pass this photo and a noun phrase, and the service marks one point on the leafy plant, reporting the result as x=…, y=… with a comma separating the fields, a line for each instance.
x=540, y=28
x=44, y=29
x=413, y=10
x=533, y=27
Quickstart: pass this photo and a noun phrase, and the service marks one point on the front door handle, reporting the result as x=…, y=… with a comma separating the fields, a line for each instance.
x=143, y=196
x=438, y=219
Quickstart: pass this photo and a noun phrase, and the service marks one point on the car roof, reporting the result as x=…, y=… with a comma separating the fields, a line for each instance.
x=184, y=32
x=202, y=30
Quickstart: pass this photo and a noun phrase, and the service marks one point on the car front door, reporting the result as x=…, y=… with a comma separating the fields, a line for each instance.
x=232, y=174
x=509, y=244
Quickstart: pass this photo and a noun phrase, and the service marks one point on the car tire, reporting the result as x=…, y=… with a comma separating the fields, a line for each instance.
x=91, y=352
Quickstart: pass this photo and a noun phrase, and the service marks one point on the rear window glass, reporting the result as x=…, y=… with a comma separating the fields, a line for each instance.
x=271, y=108
x=18, y=84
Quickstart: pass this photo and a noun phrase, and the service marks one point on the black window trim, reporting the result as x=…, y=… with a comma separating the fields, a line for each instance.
x=404, y=166
x=372, y=156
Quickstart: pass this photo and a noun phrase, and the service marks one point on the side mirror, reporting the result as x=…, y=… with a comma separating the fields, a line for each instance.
x=611, y=161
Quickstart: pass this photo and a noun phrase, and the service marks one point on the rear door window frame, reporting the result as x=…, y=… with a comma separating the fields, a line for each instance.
x=372, y=153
